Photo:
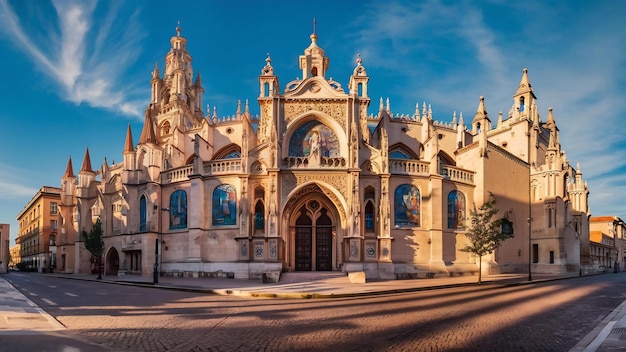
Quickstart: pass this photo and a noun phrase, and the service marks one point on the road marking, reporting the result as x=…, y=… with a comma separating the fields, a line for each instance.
x=49, y=301
x=71, y=294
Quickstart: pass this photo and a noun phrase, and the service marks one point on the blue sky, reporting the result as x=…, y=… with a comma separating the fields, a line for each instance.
x=78, y=72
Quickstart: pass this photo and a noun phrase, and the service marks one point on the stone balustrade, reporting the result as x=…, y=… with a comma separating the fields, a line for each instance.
x=409, y=167
x=456, y=174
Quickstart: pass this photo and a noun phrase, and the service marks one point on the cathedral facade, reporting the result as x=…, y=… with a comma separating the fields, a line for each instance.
x=315, y=183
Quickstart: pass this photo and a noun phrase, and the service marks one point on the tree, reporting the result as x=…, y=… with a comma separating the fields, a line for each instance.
x=484, y=234
x=95, y=245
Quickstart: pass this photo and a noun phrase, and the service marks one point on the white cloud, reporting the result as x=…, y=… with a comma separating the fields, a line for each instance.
x=88, y=56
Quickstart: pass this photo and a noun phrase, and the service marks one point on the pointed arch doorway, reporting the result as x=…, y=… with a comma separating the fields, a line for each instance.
x=313, y=232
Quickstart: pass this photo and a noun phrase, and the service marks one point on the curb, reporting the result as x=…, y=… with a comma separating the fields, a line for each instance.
x=487, y=285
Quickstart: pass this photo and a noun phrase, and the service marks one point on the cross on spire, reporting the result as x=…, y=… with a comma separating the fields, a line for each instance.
x=314, y=24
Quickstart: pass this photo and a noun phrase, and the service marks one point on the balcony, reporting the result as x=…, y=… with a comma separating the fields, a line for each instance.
x=456, y=174
x=409, y=167
x=209, y=168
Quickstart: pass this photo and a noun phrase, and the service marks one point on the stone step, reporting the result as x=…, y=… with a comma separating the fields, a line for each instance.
x=308, y=276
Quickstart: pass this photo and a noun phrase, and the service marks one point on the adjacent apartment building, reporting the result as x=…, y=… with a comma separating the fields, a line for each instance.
x=608, y=242
x=5, y=233
x=38, y=229
x=320, y=180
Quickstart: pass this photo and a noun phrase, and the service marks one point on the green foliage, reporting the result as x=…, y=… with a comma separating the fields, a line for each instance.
x=93, y=241
x=484, y=234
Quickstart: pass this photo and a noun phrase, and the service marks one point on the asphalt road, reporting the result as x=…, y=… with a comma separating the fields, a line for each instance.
x=550, y=316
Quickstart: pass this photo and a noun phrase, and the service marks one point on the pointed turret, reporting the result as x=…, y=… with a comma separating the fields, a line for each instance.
x=128, y=144
x=129, y=151
x=86, y=167
x=156, y=84
x=69, y=169
x=147, y=133
x=86, y=174
x=68, y=183
x=524, y=99
x=199, y=91
x=481, y=120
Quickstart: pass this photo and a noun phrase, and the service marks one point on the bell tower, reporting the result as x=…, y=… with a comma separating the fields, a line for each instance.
x=313, y=63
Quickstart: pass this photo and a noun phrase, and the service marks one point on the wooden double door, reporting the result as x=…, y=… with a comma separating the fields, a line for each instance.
x=314, y=241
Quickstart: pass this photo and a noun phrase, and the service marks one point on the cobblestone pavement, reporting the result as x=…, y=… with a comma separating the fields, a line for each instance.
x=550, y=316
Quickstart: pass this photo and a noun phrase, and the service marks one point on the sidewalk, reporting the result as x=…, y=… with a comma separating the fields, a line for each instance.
x=17, y=312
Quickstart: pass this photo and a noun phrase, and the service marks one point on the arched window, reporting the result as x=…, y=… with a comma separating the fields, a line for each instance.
x=224, y=205
x=314, y=136
x=456, y=209
x=360, y=89
x=369, y=195
x=178, y=210
x=521, y=104
x=369, y=216
x=399, y=154
x=142, y=213
x=407, y=203
x=259, y=216
x=266, y=89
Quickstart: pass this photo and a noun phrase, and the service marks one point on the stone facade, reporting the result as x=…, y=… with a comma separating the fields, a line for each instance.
x=315, y=183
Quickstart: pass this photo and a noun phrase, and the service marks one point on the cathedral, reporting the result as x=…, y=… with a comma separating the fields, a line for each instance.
x=314, y=183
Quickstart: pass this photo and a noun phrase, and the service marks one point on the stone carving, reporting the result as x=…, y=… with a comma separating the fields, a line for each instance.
x=293, y=109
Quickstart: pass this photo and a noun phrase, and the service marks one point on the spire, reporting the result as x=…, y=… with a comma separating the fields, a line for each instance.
x=155, y=72
x=481, y=120
x=314, y=62
x=524, y=85
x=86, y=162
x=128, y=146
x=147, y=133
x=69, y=169
x=551, y=123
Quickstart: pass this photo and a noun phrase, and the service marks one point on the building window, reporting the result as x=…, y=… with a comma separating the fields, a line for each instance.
x=456, y=209
x=178, y=210
x=399, y=153
x=535, y=253
x=369, y=216
x=259, y=216
x=53, y=208
x=521, y=104
x=224, y=205
x=551, y=257
x=407, y=206
x=54, y=225
x=142, y=213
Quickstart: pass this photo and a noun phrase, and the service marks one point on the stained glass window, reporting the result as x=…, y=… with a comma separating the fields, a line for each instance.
x=178, y=210
x=142, y=213
x=456, y=209
x=407, y=204
x=224, y=205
